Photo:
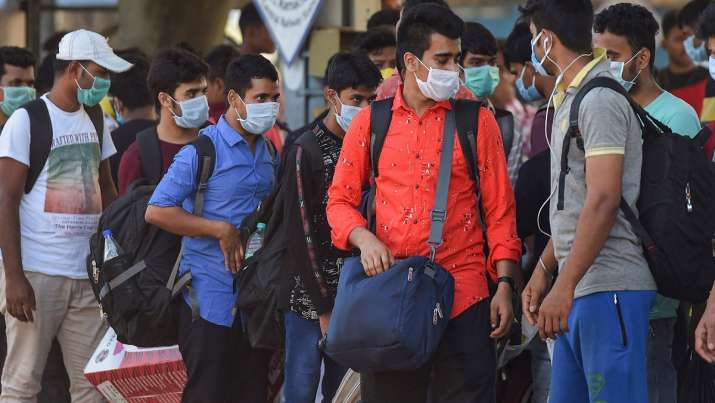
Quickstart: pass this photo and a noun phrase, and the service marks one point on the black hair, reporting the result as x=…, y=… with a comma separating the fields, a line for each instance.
x=130, y=86
x=52, y=44
x=570, y=20
x=219, y=58
x=477, y=39
x=689, y=14
x=632, y=21
x=45, y=75
x=706, y=24
x=517, y=48
x=170, y=68
x=419, y=23
x=59, y=66
x=408, y=4
x=351, y=70
x=14, y=56
x=249, y=18
x=387, y=17
x=187, y=47
x=669, y=21
x=243, y=69
x=375, y=39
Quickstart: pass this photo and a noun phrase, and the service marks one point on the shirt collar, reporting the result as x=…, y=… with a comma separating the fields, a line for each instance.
x=228, y=133
x=399, y=102
x=599, y=54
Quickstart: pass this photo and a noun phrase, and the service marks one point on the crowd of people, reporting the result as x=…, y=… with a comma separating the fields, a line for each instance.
x=540, y=231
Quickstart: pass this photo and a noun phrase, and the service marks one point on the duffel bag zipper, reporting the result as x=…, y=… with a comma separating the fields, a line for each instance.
x=437, y=314
x=688, y=198
x=410, y=274
x=624, y=336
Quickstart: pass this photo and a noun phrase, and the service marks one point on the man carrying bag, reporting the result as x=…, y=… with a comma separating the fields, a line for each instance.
x=462, y=365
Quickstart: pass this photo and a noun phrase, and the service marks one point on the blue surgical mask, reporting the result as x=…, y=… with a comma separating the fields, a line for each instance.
x=711, y=66
x=698, y=54
x=15, y=97
x=528, y=94
x=93, y=95
x=260, y=117
x=482, y=80
x=346, y=115
x=539, y=64
x=617, y=72
x=194, y=112
x=119, y=118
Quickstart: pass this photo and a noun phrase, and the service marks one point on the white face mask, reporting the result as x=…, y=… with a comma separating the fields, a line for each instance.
x=617, y=72
x=194, y=112
x=346, y=115
x=259, y=117
x=711, y=66
x=440, y=85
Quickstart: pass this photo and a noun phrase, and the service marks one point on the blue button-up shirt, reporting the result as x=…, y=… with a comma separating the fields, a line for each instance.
x=240, y=180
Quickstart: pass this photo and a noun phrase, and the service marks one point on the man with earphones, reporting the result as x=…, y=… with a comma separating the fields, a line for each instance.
x=627, y=32
x=221, y=366
x=597, y=308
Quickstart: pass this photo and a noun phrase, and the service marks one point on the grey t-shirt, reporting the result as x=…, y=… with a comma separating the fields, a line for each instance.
x=608, y=126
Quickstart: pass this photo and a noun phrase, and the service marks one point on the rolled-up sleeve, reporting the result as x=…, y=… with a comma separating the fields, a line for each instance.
x=179, y=182
x=497, y=194
x=352, y=173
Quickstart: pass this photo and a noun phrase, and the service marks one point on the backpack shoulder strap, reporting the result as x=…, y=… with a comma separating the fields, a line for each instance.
x=380, y=119
x=207, y=160
x=150, y=154
x=574, y=131
x=272, y=151
x=97, y=117
x=40, y=140
x=467, y=118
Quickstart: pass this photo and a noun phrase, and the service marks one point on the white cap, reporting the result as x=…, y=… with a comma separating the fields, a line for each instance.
x=88, y=45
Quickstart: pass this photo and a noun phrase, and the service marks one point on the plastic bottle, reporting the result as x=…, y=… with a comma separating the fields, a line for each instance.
x=111, y=247
x=255, y=241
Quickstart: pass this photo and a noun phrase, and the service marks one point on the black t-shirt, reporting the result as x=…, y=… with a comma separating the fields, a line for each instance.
x=122, y=137
x=532, y=189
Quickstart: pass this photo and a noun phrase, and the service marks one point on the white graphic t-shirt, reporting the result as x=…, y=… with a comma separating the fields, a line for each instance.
x=62, y=211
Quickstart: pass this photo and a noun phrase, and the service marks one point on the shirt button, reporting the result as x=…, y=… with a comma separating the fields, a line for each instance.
x=414, y=222
x=417, y=186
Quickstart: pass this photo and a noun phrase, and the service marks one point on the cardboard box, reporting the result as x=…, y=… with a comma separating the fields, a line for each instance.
x=129, y=374
x=124, y=373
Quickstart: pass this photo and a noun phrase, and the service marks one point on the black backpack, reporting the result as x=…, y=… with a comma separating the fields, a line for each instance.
x=466, y=115
x=137, y=290
x=41, y=136
x=676, y=205
x=262, y=282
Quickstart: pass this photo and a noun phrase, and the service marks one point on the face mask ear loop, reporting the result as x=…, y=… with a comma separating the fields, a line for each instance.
x=236, y=109
x=546, y=135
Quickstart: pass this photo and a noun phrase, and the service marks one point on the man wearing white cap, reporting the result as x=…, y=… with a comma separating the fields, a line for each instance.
x=54, y=181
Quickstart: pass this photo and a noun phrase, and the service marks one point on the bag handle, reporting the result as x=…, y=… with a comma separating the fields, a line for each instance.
x=439, y=211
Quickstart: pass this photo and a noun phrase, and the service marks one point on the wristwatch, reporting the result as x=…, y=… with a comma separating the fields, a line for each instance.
x=506, y=279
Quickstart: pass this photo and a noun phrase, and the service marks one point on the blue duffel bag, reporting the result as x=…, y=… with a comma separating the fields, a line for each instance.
x=392, y=321
x=395, y=320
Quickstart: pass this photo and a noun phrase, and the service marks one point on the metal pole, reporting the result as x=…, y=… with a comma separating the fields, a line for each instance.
x=32, y=25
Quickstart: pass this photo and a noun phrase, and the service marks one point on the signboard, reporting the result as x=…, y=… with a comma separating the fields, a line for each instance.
x=289, y=23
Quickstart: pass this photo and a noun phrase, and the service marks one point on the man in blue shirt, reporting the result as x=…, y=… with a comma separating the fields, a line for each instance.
x=221, y=366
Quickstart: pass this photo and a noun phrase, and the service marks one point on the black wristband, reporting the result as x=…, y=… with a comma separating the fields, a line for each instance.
x=506, y=279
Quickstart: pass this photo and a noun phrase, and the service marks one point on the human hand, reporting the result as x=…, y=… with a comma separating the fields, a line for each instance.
x=502, y=311
x=554, y=311
x=20, y=297
x=230, y=242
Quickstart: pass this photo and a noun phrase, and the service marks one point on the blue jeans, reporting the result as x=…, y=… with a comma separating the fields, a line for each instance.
x=602, y=358
x=662, y=378
x=303, y=361
x=540, y=370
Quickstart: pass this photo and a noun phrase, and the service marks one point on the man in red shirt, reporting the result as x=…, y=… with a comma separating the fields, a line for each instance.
x=178, y=83
x=463, y=368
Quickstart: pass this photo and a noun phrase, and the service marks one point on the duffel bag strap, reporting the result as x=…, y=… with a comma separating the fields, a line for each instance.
x=439, y=212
